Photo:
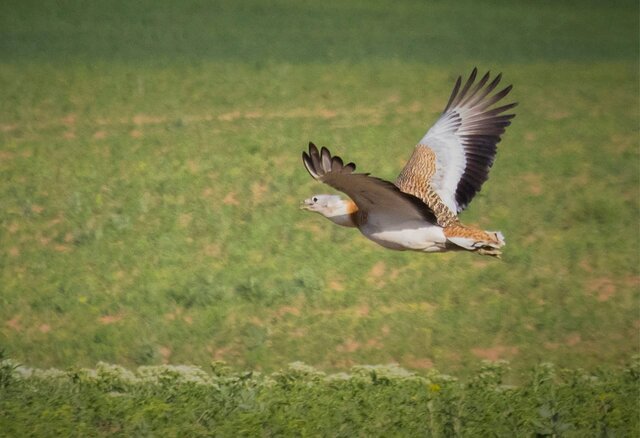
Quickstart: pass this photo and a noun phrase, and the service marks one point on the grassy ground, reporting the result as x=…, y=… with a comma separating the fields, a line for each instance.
x=150, y=167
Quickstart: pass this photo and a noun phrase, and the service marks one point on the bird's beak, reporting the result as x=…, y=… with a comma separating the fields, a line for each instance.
x=305, y=205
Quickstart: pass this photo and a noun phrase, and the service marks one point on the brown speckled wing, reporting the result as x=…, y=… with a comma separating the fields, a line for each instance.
x=415, y=179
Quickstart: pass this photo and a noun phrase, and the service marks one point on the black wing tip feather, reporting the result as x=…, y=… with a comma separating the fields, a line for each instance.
x=454, y=93
x=308, y=164
x=468, y=95
x=481, y=128
x=460, y=96
x=319, y=162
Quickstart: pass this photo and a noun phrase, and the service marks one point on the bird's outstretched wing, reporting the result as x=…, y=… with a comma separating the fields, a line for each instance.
x=452, y=161
x=371, y=195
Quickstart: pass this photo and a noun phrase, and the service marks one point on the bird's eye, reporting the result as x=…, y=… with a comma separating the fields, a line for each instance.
x=315, y=199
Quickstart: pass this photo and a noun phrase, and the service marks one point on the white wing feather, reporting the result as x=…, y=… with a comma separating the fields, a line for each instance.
x=450, y=162
x=464, y=140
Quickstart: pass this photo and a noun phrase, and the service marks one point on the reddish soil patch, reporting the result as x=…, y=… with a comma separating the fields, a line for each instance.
x=110, y=319
x=349, y=346
x=374, y=344
x=208, y=192
x=551, y=345
x=585, y=265
x=495, y=353
x=184, y=220
x=632, y=280
x=299, y=332
x=558, y=114
x=603, y=288
x=228, y=117
x=193, y=166
x=362, y=310
x=230, y=199
x=142, y=119
x=69, y=120
x=6, y=155
x=14, y=323
x=8, y=128
x=62, y=248
x=573, y=339
x=419, y=363
x=258, y=192
x=378, y=270
x=533, y=183
x=222, y=352
x=287, y=310
x=377, y=274
x=212, y=250
x=165, y=352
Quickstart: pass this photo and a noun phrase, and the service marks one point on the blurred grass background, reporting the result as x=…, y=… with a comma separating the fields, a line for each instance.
x=151, y=175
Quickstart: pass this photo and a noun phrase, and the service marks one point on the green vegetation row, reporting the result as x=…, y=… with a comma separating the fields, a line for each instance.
x=301, y=401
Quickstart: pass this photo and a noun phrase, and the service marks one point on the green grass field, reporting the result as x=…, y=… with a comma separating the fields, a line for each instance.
x=150, y=179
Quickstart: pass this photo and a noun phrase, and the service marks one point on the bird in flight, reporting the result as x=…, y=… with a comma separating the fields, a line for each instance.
x=419, y=212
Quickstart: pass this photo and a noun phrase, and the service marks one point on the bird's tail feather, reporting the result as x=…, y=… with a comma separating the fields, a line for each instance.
x=479, y=241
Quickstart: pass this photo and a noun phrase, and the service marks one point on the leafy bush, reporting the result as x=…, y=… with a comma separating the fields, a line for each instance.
x=302, y=401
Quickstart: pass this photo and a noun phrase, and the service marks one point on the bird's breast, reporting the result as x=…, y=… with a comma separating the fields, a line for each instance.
x=412, y=235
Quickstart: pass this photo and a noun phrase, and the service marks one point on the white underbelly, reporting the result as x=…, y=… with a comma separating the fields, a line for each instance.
x=421, y=236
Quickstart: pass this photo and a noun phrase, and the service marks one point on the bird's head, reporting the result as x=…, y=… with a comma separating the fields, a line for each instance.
x=333, y=207
x=321, y=203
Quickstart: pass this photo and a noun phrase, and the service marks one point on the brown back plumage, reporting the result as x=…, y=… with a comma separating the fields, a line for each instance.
x=415, y=179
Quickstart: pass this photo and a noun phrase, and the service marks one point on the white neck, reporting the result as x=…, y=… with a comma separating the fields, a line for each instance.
x=342, y=213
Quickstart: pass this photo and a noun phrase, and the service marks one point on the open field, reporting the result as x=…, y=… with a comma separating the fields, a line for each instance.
x=150, y=180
